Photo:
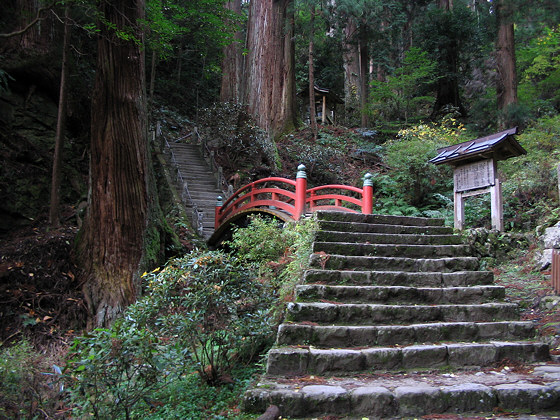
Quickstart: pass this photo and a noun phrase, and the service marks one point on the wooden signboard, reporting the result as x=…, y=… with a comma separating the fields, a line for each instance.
x=480, y=177
x=474, y=175
x=475, y=170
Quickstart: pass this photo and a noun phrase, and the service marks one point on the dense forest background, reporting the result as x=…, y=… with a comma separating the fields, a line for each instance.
x=85, y=84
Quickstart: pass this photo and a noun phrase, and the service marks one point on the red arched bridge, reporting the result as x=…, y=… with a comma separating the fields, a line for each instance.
x=288, y=199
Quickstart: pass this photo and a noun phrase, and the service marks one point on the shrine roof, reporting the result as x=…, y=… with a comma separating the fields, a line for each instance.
x=499, y=146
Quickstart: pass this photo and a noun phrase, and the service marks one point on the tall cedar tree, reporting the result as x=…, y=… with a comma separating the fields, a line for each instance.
x=506, y=89
x=232, y=63
x=121, y=200
x=271, y=87
x=312, y=108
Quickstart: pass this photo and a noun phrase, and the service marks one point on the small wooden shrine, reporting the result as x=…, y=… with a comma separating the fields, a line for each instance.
x=475, y=171
x=325, y=103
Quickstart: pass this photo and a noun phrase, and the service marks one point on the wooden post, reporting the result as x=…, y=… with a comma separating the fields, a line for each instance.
x=496, y=207
x=301, y=192
x=558, y=176
x=459, y=210
x=367, y=195
x=219, y=204
x=555, y=272
x=324, y=116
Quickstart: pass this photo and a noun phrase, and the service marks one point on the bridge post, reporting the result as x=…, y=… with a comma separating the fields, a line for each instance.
x=367, y=195
x=219, y=204
x=301, y=192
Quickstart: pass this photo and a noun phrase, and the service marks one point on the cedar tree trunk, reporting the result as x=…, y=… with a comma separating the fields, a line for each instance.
x=364, y=78
x=112, y=242
x=232, y=63
x=312, y=110
x=506, y=89
x=351, y=61
x=271, y=66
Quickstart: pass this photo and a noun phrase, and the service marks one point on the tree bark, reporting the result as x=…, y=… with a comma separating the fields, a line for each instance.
x=364, y=79
x=312, y=110
x=351, y=59
x=54, y=209
x=232, y=63
x=270, y=95
x=120, y=203
x=506, y=89
x=153, y=75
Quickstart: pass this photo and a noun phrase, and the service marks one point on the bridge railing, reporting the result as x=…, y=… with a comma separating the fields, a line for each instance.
x=294, y=198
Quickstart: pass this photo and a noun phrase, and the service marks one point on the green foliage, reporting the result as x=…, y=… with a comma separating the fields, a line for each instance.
x=539, y=64
x=530, y=181
x=24, y=392
x=240, y=142
x=402, y=95
x=202, y=313
x=262, y=241
x=416, y=179
x=279, y=253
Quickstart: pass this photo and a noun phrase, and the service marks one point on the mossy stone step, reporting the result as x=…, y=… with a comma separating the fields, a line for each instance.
x=384, y=228
x=398, y=294
x=399, y=278
x=378, y=219
x=367, y=314
x=386, y=238
x=347, y=336
x=351, y=262
x=390, y=250
x=414, y=395
x=291, y=361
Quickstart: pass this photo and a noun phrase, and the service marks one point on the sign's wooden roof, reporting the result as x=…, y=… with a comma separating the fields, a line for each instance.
x=498, y=146
x=331, y=96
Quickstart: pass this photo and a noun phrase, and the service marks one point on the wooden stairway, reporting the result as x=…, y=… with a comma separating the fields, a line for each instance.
x=394, y=320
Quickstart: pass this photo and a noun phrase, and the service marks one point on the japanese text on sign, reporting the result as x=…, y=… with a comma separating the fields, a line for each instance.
x=474, y=175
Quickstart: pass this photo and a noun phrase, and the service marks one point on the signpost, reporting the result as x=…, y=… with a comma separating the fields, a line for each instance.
x=475, y=171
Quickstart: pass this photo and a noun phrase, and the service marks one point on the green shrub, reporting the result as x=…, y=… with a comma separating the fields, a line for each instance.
x=280, y=253
x=415, y=179
x=262, y=241
x=203, y=313
x=530, y=184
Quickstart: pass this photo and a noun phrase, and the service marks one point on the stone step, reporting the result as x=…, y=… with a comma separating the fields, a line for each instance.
x=398, y=294
x=413, y=395
x=195, y=169
x=337, y=216
x=341, y=262
x=344, y=336
x=383, y=228
x=387, y=238
x=367, y=314
x=389, y=250
x=399, y=278
x=291, y=361
x=207, y=197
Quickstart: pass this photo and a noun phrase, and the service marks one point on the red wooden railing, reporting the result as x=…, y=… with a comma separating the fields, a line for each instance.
x=294, y=198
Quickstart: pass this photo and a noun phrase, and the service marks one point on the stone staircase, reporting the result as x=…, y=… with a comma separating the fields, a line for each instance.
x=394, y=320
x=201, y=183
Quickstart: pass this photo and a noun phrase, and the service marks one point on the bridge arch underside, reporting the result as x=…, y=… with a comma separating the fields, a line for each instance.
x=241, y=219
